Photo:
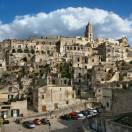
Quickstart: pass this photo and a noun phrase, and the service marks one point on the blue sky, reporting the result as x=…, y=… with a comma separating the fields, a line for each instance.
x=24, y=18
x=10, y=8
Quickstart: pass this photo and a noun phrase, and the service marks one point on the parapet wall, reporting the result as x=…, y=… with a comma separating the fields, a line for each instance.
x=116, y=127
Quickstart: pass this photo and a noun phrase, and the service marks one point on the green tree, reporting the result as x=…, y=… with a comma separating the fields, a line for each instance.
x=66, y=70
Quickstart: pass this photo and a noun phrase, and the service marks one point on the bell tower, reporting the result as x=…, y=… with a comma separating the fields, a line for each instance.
x=89, y=32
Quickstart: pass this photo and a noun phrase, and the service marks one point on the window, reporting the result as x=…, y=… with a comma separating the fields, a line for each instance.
x=11, y=97
x=40, y=60
x=79, y=74
x=37, y=51
x=32, y=51
x=13, y=51
x=118, y=85
x=88, y=76
x=42, y=96
x=53, y=81
x=0, y=65
x=107, y=104
x=64, y=81
x=67, y=102
x=5, y=107
x=86, y=60
x=78, y=59
x=74, y=48
x=48, y=52
x=10, y=89
x=42, y=52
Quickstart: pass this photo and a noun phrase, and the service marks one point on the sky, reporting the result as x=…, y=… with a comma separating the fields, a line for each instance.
x=24, y=18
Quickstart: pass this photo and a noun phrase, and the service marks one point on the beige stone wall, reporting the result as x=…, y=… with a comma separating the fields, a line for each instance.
x=53, y=97
x=103, y=72
x=4, y=95
x=104, y=95
x=115, y=100
x=21, y=105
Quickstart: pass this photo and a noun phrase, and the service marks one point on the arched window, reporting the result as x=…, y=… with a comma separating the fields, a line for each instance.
x=37, y=51
x=13, y=51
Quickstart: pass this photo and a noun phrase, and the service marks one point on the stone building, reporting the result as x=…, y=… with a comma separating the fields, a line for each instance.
x=105, y=73
x=9, y=107
x=113, y=97
x=13, y=109
x=82, y=79
x=52, y=97
x=112, y=51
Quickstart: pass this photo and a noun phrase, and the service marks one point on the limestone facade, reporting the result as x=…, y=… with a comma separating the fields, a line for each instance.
x=51, y=97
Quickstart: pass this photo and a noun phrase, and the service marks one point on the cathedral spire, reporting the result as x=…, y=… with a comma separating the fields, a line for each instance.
x=89, y=32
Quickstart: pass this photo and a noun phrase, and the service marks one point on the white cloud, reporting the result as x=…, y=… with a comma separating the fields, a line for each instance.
x=69, y=21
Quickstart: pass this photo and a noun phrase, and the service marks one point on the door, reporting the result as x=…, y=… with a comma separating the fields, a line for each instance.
x=44, y=108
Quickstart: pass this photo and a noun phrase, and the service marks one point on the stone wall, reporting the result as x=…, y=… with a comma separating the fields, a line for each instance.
x=21, y=105
x=122, y=101
x=77, y=106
